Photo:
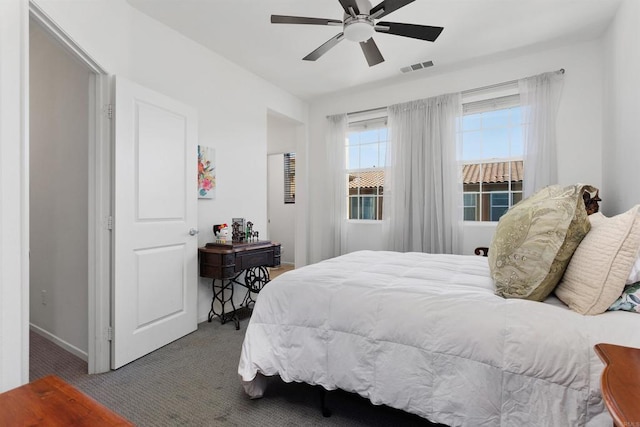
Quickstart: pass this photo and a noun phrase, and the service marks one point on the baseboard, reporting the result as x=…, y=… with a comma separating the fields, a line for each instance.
x=59, y=342
x=204, y=319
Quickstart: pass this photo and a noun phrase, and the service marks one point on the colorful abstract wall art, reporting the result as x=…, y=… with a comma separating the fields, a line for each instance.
x=206, y=172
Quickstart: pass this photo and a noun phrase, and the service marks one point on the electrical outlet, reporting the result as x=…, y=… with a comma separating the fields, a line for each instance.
x=43, y=295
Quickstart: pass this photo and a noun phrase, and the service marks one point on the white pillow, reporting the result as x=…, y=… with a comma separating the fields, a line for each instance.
x=634, y=276
x=596, y=274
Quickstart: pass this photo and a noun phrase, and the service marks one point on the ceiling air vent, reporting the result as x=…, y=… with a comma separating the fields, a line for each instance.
x=418, y=66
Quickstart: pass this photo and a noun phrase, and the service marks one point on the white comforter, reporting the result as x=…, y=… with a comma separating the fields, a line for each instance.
x=425, y=334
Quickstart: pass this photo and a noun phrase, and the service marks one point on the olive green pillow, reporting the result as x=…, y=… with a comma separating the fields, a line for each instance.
x=535, y=240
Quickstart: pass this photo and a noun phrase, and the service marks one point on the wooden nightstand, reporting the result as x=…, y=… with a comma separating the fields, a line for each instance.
x=620, y=383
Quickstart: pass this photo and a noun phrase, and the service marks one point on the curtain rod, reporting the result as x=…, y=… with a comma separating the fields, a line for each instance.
x=368, y=110
x=464, y=92
x=497, y=85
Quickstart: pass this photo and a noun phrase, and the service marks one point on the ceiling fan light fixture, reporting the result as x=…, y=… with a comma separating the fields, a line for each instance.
x=359, y=25
x=358, y=30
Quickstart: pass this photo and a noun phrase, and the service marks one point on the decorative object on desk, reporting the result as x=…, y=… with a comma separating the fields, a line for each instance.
x=238, y=233
x=206, y=172
x=221, y=232
x=249, y=231
x=250, y=234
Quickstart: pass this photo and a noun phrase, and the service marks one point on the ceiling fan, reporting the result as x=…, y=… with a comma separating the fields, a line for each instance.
x=359, y=25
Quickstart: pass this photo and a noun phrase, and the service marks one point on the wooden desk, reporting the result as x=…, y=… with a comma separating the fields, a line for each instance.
x=620, y=383
x=225, y=263
x=51, y=402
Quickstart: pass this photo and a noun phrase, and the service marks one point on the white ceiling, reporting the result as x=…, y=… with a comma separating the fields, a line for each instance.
x=240, y=30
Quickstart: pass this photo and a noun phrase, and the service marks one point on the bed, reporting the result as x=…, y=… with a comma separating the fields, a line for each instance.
x=426, y=334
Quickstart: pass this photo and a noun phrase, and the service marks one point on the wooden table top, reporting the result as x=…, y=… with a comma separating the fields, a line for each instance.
x=620, y=383
x=51, y=402
x=236, y=246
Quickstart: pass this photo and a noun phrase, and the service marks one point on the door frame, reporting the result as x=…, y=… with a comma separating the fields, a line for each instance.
x=100, y=220
x=270, y=213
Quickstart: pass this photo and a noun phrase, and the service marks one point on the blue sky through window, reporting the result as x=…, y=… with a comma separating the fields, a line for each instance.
x=493, y=134
x=367, y=149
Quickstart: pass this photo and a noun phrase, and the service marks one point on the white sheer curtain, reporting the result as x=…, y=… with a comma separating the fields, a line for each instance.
x=423, y=184
x=337, y=184
x=540, y=97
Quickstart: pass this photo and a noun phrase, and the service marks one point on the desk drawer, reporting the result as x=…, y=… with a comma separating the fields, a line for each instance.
x=254, y=258
x=217, y=265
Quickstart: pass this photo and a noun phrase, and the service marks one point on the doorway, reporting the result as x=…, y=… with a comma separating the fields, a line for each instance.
x=282, y=136
x=281, y=208
x=58, y=193
x=69, y=195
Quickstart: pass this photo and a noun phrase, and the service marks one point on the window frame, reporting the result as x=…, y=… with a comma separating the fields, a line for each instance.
x=502, y=98
x=376, y=119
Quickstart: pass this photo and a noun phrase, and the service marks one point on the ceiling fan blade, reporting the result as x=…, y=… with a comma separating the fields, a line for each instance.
x=389, y=6
x=282, y=19
x=346, y=4
x=324, y=48
x=422, y=32
x=371, y=52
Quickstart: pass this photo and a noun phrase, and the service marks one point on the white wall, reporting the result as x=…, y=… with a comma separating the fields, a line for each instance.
x=621, y=137
x=579, y=123
x=14, y=208
x=281, y=134
x=59, y=129
x=232, y=103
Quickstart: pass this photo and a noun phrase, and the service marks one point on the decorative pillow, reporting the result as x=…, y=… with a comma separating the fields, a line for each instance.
x=601, y=264
x=634, y=275
x=629, y=300
x=535, y=239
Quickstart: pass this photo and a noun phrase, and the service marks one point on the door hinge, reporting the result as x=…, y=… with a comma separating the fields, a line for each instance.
x=108, y=111
x=109, y=333
x=109, y=223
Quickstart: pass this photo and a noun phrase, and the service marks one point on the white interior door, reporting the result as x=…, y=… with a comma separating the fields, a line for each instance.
x=155, y=207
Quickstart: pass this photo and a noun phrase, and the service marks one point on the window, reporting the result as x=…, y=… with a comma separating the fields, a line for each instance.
x=499, y=205
x=470, y=207
x=492, y=157
x=289, y=177
x=366, y=146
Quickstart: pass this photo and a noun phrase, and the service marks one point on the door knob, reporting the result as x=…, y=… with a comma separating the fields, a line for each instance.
x=193, y=232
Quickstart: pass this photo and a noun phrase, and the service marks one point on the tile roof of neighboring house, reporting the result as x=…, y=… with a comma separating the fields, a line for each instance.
x=367, y=179
x=491, y=173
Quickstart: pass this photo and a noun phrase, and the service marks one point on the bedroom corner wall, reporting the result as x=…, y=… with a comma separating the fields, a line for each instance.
x=621, y=135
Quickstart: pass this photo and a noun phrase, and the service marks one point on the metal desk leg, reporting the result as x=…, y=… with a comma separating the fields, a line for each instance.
x=254, y=280
x=219, y=295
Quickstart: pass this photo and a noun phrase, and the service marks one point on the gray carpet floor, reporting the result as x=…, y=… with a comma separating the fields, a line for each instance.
x=194, y=382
